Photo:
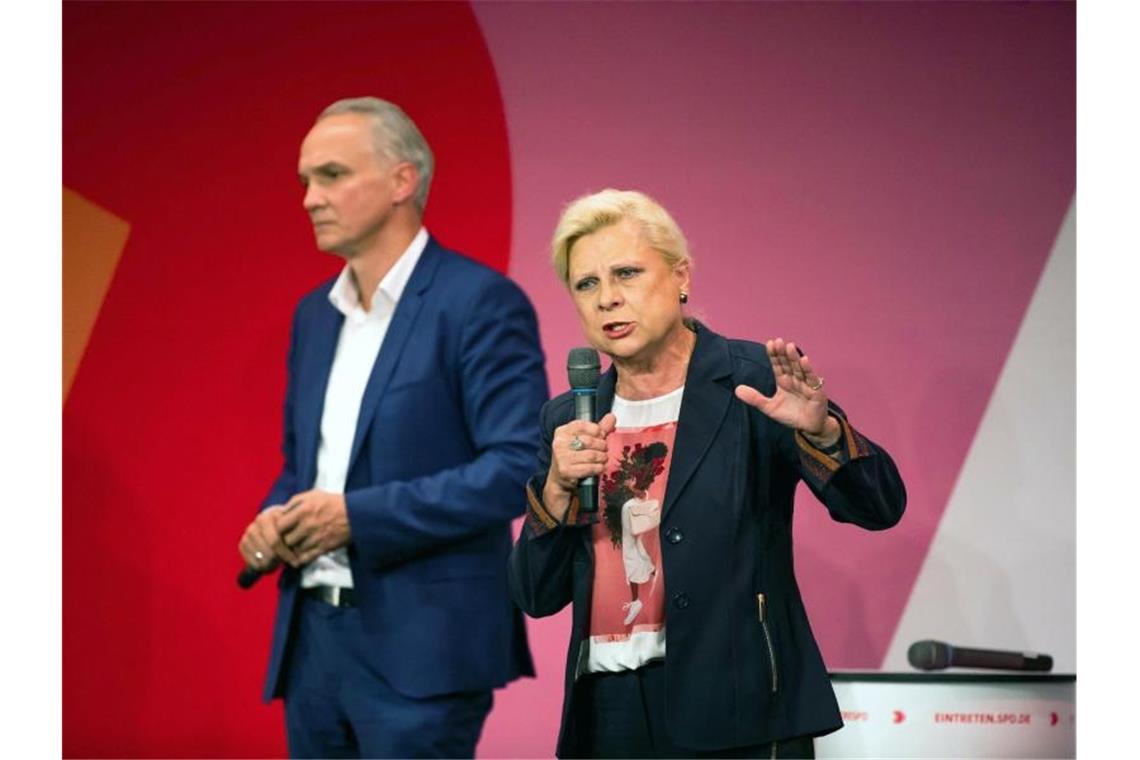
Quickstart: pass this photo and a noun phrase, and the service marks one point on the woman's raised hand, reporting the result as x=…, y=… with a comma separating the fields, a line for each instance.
x=799, y=401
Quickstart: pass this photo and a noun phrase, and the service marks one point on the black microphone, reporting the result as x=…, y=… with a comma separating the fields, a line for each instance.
x=248, y=576
x=583, y=367
x=251, y=575
x=937, y=655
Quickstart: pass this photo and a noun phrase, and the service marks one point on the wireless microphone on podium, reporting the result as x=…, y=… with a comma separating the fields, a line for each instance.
x=937, y=655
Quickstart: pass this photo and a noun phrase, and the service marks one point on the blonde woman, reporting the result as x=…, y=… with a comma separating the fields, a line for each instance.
x=718, y=659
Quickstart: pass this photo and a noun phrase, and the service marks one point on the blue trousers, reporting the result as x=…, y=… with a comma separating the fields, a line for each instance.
x=338, y=706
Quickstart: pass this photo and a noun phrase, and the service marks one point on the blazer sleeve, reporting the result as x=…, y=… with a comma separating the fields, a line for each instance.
x=286, y=483
x=858, y=481
x=542, y=559
x=503, y=386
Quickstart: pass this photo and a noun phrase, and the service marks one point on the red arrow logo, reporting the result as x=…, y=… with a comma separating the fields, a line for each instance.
x=900, y=716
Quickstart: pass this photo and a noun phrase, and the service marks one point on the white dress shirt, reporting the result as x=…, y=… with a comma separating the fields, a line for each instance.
x=357, y=349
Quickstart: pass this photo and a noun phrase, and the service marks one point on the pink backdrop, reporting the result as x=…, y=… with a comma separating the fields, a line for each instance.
x=880, y=182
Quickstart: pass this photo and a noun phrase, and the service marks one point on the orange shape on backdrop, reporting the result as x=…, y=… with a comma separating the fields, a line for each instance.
x=93, y=241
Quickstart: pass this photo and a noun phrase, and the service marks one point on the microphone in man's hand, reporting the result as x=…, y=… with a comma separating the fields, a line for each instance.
x=583, y=368
x=251, y=575
x=248, y=576
x=937, y=655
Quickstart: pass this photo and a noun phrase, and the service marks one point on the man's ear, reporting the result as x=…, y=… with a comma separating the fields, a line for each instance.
x=405, y=178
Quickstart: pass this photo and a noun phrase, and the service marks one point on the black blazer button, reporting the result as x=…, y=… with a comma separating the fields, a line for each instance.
x=680, y=601
x=674, y=535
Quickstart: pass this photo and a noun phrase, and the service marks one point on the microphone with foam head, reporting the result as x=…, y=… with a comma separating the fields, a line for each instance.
x=583, y=368
x=938, y=655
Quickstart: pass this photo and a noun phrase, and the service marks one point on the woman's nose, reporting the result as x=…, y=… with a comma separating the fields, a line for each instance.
x=608, y=296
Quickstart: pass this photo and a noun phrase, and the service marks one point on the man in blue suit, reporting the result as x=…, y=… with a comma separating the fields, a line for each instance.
x=415, y=377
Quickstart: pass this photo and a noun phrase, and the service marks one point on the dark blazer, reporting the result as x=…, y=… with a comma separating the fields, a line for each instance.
x=733, y=678
x=443, y=447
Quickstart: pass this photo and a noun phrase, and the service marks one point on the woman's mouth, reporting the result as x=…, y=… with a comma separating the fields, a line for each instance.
x=614, y=330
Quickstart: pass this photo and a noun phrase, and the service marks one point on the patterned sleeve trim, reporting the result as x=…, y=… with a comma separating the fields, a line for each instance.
x=572, y=511
x=541, y=521
x=821, y=464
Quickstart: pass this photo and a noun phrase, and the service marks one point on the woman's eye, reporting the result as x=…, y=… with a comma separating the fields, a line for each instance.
x=626, y=272
x=585, y=284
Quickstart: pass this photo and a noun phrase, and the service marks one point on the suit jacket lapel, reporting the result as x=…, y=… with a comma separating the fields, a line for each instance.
x=399, y=330
x=703, y=408
x=311, y=388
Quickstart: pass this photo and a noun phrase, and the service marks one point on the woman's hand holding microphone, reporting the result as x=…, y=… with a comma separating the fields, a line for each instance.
x=577, y=451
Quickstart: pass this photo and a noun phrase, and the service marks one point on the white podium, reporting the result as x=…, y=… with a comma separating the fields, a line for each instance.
x=960, y=714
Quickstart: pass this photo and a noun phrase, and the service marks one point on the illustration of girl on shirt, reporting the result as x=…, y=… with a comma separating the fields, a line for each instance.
x=629, y=514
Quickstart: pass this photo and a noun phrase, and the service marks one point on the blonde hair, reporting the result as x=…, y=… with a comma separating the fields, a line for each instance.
x=590, y=213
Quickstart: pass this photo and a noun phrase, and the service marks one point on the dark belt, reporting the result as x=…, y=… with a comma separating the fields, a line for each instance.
x=335, y=596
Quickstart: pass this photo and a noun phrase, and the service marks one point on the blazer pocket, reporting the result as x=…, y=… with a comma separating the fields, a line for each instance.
x=474, y=593
x=764, y=609
x=460, y=576
x=458, y=567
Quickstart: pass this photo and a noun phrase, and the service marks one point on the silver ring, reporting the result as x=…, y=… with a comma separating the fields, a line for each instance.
x=576, y=444
x=258, y=556
x=818, y=384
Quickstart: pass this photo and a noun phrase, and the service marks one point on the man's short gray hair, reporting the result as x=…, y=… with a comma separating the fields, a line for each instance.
x=397, y=137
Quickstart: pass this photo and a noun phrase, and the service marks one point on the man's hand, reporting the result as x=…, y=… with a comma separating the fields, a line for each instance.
x=799, y=401
x=261, y=546
x=313, y=523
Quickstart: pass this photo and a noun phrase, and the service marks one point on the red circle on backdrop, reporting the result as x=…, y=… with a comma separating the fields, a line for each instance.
x=184, y=119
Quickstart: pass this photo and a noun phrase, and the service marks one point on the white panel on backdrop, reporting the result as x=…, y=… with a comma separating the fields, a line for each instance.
x=1001, y=571
x=953, y=716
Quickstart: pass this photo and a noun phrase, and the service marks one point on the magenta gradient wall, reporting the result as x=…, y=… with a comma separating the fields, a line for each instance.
x=881, y=182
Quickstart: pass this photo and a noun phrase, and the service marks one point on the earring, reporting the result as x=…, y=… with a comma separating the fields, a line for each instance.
x=684, y=297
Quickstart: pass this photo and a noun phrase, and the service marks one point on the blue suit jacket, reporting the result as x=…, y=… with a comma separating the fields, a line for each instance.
x=732, y=677
x=443, y=447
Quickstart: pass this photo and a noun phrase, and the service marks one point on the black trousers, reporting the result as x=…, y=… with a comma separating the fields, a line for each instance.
x=623, y=715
